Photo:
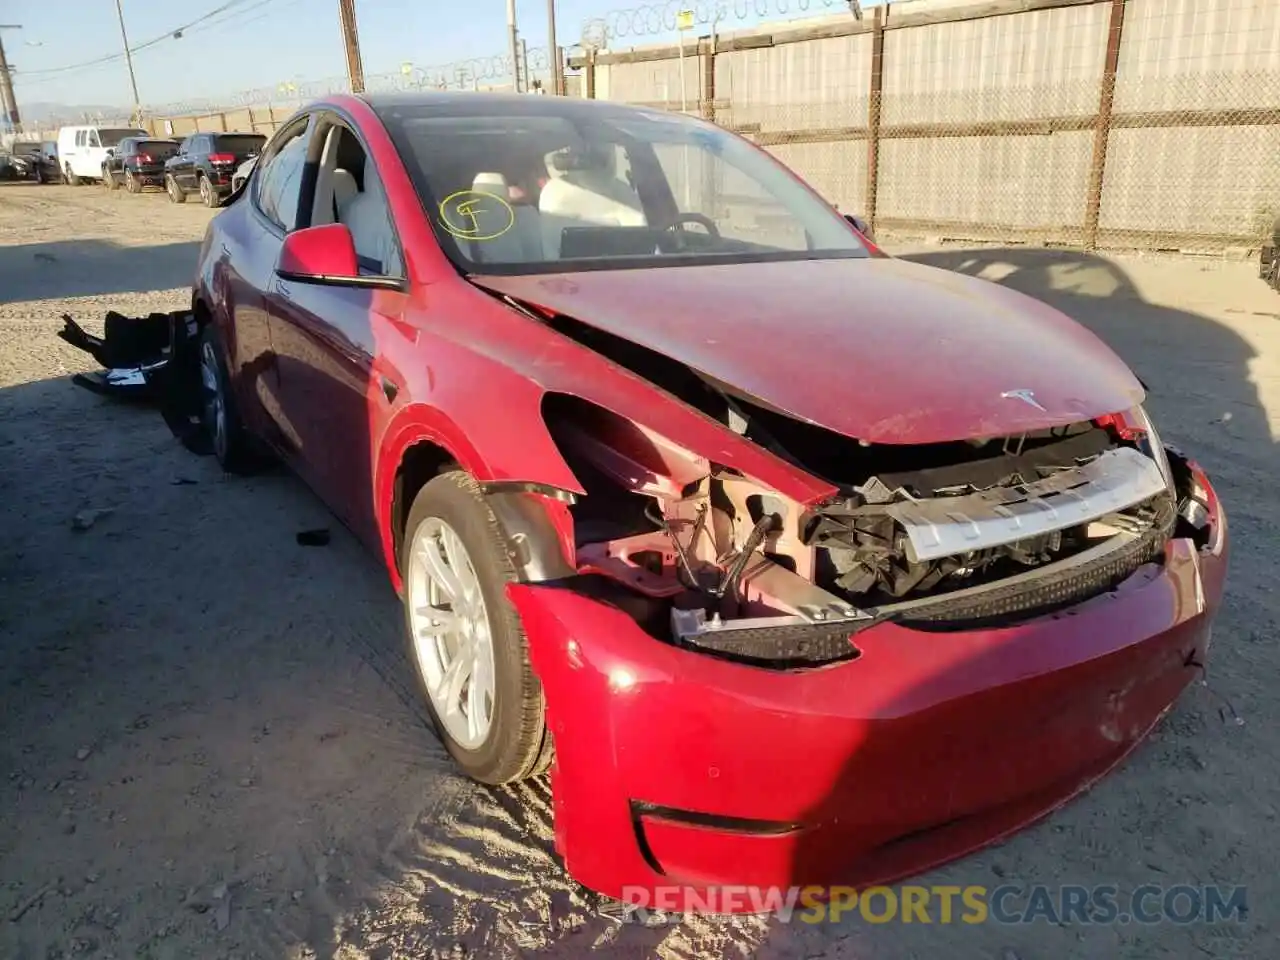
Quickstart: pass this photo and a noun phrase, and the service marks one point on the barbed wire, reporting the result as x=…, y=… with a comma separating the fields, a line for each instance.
x=656, y=19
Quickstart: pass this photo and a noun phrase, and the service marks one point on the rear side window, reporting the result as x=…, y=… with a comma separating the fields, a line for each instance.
x=80, y=134
x=239, y=144
x=280, y=180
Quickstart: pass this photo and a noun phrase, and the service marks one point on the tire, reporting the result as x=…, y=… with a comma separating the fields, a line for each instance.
x=173, y=190
x=131, y=182
x=109, y=180
x=516, y=743
x=72, y=179
x=218, y=414
x=208, y=195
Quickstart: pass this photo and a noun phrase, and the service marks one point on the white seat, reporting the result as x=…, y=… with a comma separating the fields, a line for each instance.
x=514, y=234
x=585, y=197
x=365, y=215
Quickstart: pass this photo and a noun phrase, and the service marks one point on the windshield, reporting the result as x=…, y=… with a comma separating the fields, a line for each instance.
x=112, y=138
x=579, y=189
x=242, y=144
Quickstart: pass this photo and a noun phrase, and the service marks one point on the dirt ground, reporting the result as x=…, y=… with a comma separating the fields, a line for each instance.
x=208, y=743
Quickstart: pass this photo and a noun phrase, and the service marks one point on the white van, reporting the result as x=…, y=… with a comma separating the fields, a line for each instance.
x=82, y=150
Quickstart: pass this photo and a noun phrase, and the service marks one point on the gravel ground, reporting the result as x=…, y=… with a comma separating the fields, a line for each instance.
x=209, y=748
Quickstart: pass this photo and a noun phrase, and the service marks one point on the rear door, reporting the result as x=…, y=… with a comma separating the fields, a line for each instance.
x=257, y=229
x=179, y=166
x=197, y=151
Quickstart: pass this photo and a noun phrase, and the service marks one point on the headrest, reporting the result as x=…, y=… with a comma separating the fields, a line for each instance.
x=344, y=187
x=488, y=182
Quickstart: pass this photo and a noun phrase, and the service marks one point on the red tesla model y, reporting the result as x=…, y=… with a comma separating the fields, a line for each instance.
x=792, y=562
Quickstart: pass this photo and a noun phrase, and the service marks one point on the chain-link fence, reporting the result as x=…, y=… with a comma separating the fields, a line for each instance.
x=1118, y=123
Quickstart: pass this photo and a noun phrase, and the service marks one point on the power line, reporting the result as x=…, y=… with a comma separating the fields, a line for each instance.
x=174, y=33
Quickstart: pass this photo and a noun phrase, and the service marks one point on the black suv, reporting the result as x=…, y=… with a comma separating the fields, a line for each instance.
x=137, y=162
x=205, y=163
x=36, y=161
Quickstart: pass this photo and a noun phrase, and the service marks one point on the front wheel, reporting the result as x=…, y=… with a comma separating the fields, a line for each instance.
x=468, y=649
x=173, y=190
x=108, y=180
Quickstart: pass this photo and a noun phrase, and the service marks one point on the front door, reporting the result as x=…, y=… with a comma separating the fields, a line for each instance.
x=326, y=337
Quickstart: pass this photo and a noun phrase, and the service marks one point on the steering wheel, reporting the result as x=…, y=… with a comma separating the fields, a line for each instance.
x=706, y=221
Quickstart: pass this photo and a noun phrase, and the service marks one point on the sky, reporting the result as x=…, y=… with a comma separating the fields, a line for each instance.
x=259, y=43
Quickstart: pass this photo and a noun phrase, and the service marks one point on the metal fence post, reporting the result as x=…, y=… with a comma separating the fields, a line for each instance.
x=1102, y=128
x=873, y=118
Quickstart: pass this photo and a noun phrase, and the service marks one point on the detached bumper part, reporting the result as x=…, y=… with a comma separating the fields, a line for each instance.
x=675, y=767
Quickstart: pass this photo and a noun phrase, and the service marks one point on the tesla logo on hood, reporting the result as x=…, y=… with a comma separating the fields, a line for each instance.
x=1026, y=396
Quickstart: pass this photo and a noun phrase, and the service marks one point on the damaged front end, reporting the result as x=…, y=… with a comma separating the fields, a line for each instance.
x=973, y=534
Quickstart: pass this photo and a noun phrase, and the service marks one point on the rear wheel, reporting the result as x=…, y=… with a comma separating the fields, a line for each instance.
x=468, y=649
x=173, y=190
x=208, y=196
x=72, y=179
x=131, y=182
x=218, y=413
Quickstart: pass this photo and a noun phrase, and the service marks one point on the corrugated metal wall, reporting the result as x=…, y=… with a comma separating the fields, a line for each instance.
x=1030, y=177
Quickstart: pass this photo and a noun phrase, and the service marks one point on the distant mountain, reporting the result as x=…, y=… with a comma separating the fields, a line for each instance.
x=44, y=113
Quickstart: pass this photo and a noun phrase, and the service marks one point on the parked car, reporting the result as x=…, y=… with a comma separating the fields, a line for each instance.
x=83, y=150
x=138, y=162
x=36, y=161
x=241, y=175
x=785, y=550
x=205, y=162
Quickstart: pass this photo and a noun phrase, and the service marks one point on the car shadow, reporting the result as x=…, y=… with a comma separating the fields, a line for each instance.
x=93, y=267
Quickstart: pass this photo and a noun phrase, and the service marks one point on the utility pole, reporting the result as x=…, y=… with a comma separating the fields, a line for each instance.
x=355, y=67
x=7, y=99
x=128, y=59
x=515, y=45
x=557, y=87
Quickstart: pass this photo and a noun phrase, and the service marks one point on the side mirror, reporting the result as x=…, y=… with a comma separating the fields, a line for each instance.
x=326, y=255
x=860, y=225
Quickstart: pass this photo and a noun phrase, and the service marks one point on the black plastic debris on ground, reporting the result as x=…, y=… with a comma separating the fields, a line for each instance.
x=313, y=538
x=153, y=359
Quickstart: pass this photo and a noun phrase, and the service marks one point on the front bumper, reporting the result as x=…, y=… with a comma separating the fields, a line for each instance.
x=675, y=770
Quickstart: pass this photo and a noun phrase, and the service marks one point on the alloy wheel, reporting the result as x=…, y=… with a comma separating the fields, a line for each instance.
x=215, y=407
x=452, y=637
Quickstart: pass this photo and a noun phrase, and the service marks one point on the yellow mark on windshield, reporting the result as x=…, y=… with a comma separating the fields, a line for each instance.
x=461, y=213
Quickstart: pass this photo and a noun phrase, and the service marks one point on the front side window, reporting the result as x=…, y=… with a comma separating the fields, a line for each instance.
x=280, y=180
x=93, y=139
x=559, y=186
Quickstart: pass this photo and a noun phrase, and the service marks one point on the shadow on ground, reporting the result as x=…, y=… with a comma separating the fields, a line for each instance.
x=87, y=268
x=253, y=737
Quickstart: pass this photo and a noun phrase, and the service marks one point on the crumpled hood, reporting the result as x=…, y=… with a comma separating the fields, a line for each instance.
x=879, y=349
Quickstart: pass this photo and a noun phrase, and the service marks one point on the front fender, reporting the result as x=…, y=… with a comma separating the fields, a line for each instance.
x=518, y=428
